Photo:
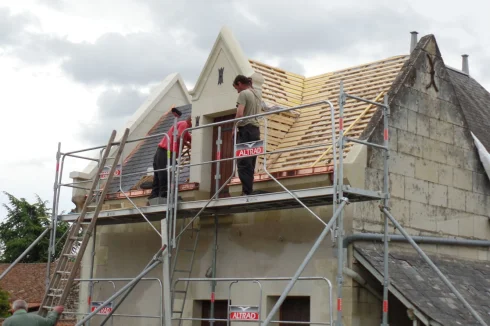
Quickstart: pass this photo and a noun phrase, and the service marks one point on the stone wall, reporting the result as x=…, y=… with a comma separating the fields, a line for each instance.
x=437, y=183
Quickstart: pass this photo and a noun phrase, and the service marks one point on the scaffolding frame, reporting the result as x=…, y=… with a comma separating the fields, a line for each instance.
x=340, y=198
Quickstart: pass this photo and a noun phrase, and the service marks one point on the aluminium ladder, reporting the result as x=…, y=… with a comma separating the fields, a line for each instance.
x=65, y=272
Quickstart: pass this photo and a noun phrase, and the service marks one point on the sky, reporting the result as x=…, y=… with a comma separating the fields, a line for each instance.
x=72, y=71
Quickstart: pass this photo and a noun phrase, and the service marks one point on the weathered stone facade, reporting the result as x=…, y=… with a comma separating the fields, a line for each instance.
x=437, y=184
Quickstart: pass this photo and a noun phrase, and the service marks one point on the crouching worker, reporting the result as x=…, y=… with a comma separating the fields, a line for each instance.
x=160, y=182
x=249, y=103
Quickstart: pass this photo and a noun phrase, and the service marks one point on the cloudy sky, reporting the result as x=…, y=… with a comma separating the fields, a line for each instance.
x=72, y=71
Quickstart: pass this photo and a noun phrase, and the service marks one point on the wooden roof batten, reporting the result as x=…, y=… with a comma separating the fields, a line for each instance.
x=371, y=81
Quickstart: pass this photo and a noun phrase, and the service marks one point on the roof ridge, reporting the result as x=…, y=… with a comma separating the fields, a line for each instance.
x=276, y=68
x=457, y=70
x=392, y=58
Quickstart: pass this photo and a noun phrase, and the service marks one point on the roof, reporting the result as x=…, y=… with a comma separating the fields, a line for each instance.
x=289, y=129
x=25, y=281
x=312, y=126
x=475, y=103
x=142, y=156
x=421, y=286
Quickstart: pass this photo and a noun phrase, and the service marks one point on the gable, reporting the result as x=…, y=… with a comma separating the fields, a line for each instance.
x=226, y=53
x=171, y=91
x=142, y=157
x=222, y=72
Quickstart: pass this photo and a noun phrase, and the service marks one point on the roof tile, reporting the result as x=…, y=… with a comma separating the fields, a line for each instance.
x=412, y=277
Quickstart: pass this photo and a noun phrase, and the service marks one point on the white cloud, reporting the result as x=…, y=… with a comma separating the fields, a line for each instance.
x=66, y=65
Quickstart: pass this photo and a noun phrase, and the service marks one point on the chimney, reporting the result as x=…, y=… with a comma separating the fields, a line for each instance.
x=466, y=68
x=413, y=42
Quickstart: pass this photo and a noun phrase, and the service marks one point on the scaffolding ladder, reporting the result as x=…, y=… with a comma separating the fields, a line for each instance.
x=65, y=272
x=189, y=254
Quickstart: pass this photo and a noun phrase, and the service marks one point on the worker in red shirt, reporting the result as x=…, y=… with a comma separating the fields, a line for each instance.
x=160, y=182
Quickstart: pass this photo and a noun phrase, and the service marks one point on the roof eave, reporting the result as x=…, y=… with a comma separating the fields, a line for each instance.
x=405, y=301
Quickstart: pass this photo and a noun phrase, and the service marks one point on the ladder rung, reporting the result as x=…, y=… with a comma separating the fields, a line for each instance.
x=63, y=272
x=76, y=238
x=53, y=289
x=182, y=271
x=70, y=255
x=176, y=312
x=54, y=295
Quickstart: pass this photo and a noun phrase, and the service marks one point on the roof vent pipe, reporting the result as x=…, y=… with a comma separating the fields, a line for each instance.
x=466, y=68
x=413, y=42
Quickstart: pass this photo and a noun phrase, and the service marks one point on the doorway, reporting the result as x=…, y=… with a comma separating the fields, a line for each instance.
x=226, y=167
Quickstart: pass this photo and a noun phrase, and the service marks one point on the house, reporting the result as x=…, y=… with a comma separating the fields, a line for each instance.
x=26, y=281
x=439, y=192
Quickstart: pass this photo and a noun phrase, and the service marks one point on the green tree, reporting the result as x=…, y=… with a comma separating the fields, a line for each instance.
x=4, y=304
x=24, y=223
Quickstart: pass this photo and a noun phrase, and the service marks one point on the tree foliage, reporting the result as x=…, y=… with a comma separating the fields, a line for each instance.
x=24, y=223
x=4, y=304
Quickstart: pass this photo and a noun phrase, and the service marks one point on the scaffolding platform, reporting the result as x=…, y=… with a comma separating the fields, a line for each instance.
x=322, y=196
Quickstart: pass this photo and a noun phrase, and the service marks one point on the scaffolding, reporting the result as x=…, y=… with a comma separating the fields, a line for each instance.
x=338, y=195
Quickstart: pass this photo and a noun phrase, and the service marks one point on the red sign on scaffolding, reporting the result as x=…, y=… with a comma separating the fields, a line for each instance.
x=244, y=313
x=250, y=149
x=104, y=311
x=105, y=172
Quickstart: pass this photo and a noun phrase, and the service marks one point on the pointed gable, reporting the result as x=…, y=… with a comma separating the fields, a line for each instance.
x=171, y=91
x=227, y=55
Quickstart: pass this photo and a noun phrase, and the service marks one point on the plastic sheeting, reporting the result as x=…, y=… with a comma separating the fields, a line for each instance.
x=484, y=155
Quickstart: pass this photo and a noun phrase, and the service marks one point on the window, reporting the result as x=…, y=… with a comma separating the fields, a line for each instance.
x=220, y=312
x=295, y=309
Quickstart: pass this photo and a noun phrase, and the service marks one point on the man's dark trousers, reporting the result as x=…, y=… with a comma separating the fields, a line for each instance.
x=246, y=165
x=160, y=182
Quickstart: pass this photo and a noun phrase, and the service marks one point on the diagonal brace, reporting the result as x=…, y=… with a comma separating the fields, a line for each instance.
x=305, y=262
x=434, y=267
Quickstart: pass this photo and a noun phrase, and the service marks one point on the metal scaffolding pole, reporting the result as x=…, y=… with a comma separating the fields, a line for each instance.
x=54, y=218
x=106, y=319
x=305, y=262
x=156, y=260
x=92, y=259
x=434, y=267
x=167, y=302
x=217, y=178
x=340, y=228
x=386, y=154
x=24, y=253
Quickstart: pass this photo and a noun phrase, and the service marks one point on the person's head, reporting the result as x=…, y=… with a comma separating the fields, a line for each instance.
x=19, y=305
x=241, y=83
x=189, y=121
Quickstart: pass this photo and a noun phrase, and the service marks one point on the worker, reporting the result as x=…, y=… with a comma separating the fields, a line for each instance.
x=249, y=103
x=160, y=182
x=22, y=318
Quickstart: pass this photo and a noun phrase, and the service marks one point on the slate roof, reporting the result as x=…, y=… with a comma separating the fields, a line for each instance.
x=412, y=277
x=475, y=103
x=142, y=157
